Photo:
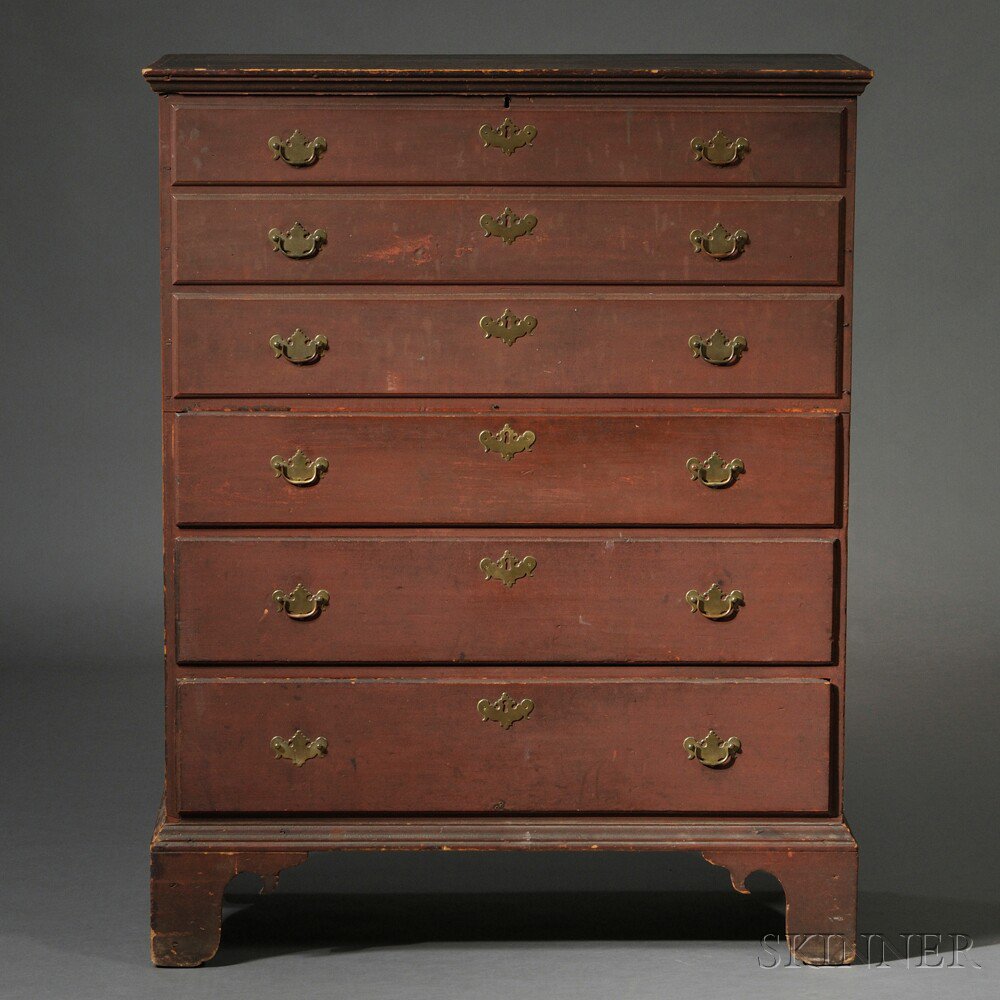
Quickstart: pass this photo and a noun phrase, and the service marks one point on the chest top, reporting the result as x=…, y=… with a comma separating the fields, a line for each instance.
x=782, y=75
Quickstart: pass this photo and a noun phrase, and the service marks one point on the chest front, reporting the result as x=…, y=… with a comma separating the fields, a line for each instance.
x=505, y=457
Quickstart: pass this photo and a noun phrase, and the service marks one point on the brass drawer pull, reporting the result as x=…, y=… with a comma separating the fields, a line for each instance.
x=507, y=225
x=507, y=327
x=297, y=150
x=298, y=243
x=717, y=350
x=507, y=569
x=715, y=473
x=720, y=150
x=300, y=605
x=718, y=243
x=713, y=604
x=298, y=348
x=505, y=710
x=712, y=751
x=506, y=442
x=298, y=749
x=299, y=470
x=507, y=136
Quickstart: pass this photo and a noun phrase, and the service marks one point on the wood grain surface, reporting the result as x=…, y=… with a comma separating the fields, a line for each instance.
x=427, y=341
x=414, y=598
x=591, y=235
x=783, y=74
x=414, y=469
x=438, y=141
x=422, y=746
x=599, y=635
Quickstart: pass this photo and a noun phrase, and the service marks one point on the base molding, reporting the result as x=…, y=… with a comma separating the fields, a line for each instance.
x=508, y=834
x=193, y=860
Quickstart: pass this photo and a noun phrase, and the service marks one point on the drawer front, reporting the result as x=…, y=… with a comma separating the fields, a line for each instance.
x=440, y=142
x=577, y=342
x=408, y=598
x=435, y=235
x=425, y=746
x=518, y=469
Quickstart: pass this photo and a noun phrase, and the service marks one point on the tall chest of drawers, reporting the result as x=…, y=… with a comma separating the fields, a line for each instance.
x=505, y=457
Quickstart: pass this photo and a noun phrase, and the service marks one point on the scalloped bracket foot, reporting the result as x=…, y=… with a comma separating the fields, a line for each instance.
x=186, y=889
x=821, y=896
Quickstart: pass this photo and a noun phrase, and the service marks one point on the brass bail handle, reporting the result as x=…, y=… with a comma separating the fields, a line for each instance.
x=298, y=347
x=717, y=349
x=720, y=150
x=714, y=472
x=714, y=603
x=297, y=150
x=712, y=751
x=718, y=242
x=300, y=470
x=297, y=243
x=299, y=604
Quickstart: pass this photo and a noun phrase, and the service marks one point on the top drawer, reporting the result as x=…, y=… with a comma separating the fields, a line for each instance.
x=478, y=141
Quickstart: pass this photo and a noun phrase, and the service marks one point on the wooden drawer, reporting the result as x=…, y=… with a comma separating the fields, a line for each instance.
x=600, y=597
x=601, y=341
x=420, y=469
x=424, y=746
x=439, y=142
x=631, y=236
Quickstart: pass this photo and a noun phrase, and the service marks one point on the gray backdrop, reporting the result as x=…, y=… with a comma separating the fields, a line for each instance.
x=81, y=687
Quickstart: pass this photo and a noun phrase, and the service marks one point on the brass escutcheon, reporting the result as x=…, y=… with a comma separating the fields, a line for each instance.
x=714, y=604
x=712, y=751
x=507, y=225
x=299, y=470
x=720, y=150
x=297, y=150
x=506, y=442
x=715, y=473
x=718, y=243
x=717, y=349
x=505, y=710
x=507, y=136
x=507, y=327
x=300, y=605
x=298, y=749
x=298, y=348
x=507, y=569
x=298, y=243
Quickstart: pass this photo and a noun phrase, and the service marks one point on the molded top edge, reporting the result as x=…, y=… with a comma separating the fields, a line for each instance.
x=778, y=74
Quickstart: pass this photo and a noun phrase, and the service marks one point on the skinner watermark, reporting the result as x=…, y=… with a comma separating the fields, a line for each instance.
x=906, y=950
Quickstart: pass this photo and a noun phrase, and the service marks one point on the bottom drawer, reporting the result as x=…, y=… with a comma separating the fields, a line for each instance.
x=433, y=746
